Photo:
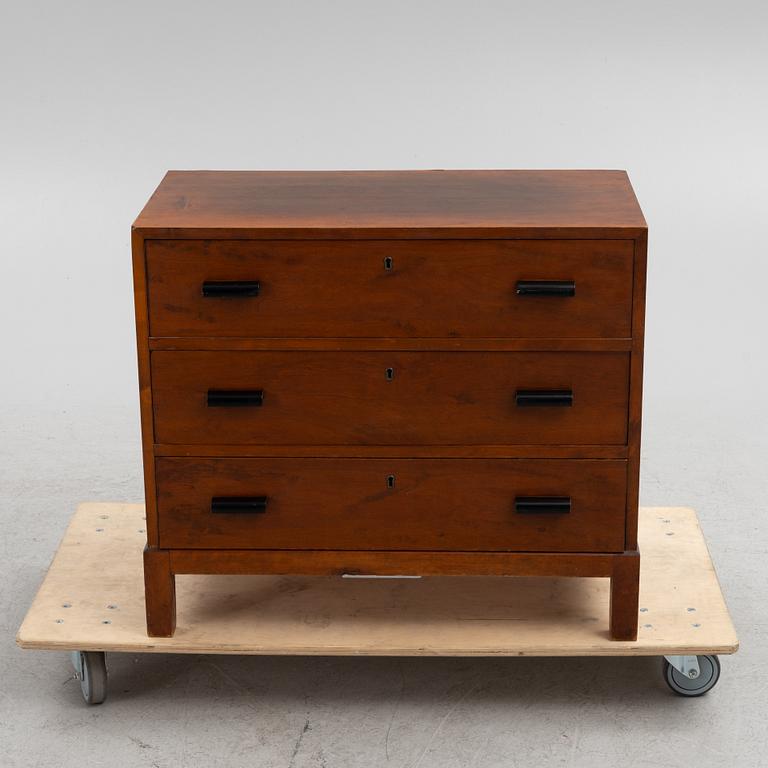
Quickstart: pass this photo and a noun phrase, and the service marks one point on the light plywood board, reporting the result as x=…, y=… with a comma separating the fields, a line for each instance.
x=92, y=599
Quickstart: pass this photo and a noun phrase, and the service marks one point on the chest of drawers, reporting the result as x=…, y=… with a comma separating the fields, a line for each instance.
x=416, y=372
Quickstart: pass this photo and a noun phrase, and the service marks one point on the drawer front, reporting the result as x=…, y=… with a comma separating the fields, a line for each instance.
x=402, y=504
x=413, y=289
x=390, y=398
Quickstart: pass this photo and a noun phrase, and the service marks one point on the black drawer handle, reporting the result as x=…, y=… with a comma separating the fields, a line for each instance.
x=225, y=505
x=527, y=398
x=230, y=289
x=235, y=398
x=550, y=505
x=546, y=288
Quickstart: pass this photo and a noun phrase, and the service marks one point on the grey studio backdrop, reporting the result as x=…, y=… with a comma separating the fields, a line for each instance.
x=99, y=99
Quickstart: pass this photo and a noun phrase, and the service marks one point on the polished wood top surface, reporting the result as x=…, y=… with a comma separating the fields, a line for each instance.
x=406, y=204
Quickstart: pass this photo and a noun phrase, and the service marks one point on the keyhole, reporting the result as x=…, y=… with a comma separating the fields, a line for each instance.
x=390, y=481
x=388, y=263
x=390, y=374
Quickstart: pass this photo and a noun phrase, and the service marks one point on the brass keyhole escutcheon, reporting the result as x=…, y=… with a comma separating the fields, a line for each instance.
x=389, y=374
x=390, y=481
x=388, y=263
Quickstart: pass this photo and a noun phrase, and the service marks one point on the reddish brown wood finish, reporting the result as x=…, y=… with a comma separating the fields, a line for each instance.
x=432, y=289
x=398, y=451
x=160, y=593
x=625, y=579
x=145, y=383
x=231, y=343
x=434, y=504
x=636, y=390
x=335, y=563
x=433, y=398
x=392, y=204
x=459, y=241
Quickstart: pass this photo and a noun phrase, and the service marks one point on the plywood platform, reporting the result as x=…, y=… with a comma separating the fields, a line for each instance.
x=92, y=599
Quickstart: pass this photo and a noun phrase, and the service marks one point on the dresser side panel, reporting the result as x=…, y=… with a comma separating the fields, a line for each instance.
x=636, y=389
x=145, y=383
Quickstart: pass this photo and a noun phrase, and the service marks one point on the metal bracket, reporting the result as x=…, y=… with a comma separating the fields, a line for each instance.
x=77, y=663
x=685, y=665
x=375, y=576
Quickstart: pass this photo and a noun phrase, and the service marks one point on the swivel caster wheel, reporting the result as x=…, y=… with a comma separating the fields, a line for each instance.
x=691, y=675
x=91, y=671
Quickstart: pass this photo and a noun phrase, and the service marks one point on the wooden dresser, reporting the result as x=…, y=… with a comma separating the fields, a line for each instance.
x=412, y=372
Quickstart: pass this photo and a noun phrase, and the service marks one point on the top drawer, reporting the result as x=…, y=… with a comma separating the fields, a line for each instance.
x=398, y=289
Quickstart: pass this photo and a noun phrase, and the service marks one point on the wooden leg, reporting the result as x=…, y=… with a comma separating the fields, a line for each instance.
x=625, y=592
x=159, y=593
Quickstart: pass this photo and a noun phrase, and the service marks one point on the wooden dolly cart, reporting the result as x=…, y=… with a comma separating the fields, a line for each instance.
x=92, y=602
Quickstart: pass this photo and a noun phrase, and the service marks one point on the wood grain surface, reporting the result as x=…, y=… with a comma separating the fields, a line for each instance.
x=415, y=274
x=346, y=398
x=429, y=289
x=392, y=204
x=99, y=563
x=429, y=504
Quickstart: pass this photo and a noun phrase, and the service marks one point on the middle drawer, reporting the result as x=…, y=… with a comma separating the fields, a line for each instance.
x=390, y=398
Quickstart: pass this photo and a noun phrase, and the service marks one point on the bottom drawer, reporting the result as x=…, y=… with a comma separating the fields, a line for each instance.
x=547, y=505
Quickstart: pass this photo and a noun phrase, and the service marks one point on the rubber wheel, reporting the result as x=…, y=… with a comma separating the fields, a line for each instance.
x=709, y=674
x=91, y=667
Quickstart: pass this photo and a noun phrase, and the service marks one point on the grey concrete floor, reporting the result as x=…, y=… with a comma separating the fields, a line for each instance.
x=408, y=713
